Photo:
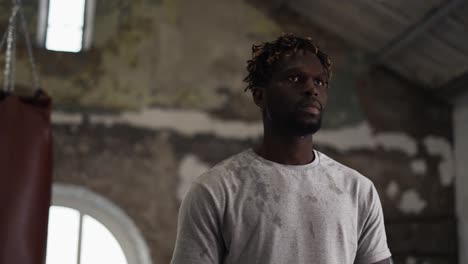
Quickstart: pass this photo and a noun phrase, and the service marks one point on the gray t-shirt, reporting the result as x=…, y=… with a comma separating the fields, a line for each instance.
x=251, y=210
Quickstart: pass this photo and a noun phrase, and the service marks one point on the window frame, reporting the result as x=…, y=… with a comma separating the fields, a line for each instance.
x=112, y=217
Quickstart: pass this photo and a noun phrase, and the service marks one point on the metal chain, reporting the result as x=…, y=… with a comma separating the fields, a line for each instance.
x=10, y=37
x=13, y=60
x=30, y=51
x=11, y=28
x=3, y=39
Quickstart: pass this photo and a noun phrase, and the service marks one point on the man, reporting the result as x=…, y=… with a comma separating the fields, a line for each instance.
x=283, y=202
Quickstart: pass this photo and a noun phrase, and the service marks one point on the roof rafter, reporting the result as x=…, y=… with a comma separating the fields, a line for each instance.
x=415, y=31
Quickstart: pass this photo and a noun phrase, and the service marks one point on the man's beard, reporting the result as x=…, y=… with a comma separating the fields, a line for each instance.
x=301, y=128
x=289, y=124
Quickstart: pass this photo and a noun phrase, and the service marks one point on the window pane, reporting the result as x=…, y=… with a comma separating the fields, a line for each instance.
x=62, y=241
x=99, y=245
x=64, y=39
x=65, y=25
x=66, y=13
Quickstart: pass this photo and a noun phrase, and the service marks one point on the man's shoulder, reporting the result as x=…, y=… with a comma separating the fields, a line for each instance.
x=225, y=169
x=340, y=170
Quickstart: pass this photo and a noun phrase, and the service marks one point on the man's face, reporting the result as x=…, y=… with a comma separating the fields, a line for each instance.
x=296, y=94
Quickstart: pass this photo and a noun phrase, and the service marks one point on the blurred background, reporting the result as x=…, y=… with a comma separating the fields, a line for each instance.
x=148, y=94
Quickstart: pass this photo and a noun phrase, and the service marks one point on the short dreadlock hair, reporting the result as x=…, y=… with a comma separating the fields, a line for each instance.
x=265, y=55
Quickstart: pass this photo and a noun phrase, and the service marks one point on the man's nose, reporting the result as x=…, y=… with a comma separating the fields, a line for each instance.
x=310, y=89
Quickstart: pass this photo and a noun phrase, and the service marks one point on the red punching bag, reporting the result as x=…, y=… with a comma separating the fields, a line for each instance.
x=25, y=161
x=25, y=184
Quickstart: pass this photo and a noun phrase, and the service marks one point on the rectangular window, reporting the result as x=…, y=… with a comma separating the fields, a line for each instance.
x=65, y=25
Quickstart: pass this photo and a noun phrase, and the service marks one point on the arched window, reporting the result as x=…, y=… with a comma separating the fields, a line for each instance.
x=85, y=228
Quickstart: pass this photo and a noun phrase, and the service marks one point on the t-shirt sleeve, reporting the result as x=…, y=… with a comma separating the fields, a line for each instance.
x=372, y=243
x=199, y=238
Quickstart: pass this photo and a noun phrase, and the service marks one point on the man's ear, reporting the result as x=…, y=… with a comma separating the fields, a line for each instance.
x=258, y=97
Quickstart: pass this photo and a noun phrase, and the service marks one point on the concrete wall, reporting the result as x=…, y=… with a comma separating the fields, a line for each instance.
x=159, y=99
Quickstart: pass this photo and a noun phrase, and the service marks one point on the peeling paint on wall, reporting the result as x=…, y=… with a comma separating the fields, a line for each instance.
x=347, y=138
x=190, y=123
x=411, y=202
x=418, y=166
x=165, y=53
x=185, y=122
x=361, y=136
x=66, y=118
x=397, y=141
x=190, y=168
x=442, y=148
x=410, y=260
x=392, y=190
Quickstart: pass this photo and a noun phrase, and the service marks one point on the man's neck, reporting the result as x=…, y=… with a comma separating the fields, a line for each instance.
x=286, y=149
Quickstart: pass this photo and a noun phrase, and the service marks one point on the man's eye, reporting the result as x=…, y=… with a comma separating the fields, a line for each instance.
x=319, y=82
x=294, y=79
